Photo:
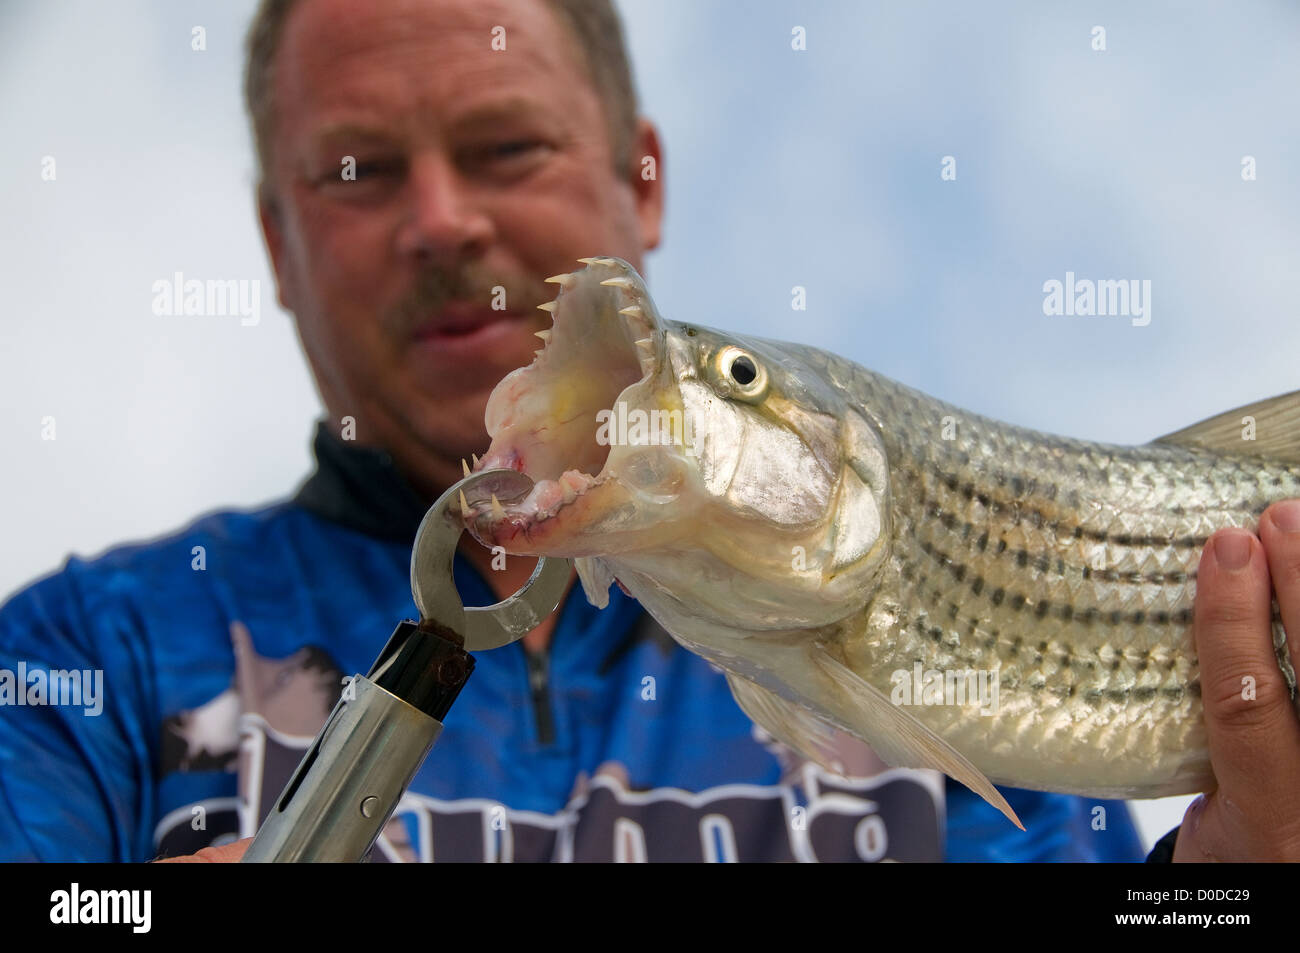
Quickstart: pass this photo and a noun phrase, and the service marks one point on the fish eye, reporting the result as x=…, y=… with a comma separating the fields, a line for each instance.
x=739, y=374
x=743, y=371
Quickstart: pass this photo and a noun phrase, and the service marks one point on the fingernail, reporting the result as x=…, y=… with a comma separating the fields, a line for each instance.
x=1232, y=549
x=1286, y=516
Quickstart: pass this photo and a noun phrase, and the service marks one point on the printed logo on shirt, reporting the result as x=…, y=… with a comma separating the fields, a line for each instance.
x=296, y=694
x=265, y=722
x=895, y=816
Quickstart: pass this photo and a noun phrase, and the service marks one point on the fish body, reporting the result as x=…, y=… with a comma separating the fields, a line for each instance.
x=1006, y=606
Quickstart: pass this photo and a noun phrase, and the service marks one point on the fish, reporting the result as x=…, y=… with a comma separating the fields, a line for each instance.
x=1003, y=605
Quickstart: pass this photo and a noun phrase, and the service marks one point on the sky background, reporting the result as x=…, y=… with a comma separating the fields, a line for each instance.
x=818, y=168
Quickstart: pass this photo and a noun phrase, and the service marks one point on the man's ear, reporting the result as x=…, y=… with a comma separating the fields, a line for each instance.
x=270, y=217
x=647, y=171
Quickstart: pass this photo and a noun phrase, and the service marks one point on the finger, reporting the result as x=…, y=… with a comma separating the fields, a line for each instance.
x=1279, y=531
x=225, y=854
x=1188, y=846
x=1254, y=737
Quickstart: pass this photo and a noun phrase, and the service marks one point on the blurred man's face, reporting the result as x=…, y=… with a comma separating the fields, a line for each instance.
x=475, y=169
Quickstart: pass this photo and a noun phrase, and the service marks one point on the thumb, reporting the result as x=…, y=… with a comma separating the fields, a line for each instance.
x=225, y=854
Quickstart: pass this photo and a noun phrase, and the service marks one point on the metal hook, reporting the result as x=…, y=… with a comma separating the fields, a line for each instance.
x=434, y=589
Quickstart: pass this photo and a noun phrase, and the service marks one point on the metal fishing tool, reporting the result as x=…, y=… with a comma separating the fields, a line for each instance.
x=349, y=782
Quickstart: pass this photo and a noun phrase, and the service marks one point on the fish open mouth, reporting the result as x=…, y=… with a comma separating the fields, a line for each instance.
x=544, y=419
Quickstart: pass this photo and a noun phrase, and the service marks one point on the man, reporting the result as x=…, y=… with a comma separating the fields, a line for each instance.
x=415, y=157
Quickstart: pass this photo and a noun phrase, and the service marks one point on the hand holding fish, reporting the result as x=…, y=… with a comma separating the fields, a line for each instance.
x=1254, y=734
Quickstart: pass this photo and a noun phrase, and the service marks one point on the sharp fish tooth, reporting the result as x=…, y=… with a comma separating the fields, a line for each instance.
x=464, y=466
x=474, y=457
x=498, y=511
x=621, y=281
x=544, y=335
x=564, y=281
x=548, y=306
x=464, y=507
x=589, y=261
x=632, y=310
x=645, y=350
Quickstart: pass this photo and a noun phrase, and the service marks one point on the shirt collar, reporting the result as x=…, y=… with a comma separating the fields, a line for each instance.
x=361, y=488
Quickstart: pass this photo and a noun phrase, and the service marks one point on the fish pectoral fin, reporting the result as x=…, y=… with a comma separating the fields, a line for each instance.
x=900, y=738
x=596, y=579
x=793, y=726
x=1274, y=429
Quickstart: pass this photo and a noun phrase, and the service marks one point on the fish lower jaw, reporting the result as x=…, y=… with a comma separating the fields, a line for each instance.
x=548, y=497
x=494, y=525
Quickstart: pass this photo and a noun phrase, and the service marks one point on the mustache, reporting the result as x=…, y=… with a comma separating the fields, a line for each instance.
x=435, y=288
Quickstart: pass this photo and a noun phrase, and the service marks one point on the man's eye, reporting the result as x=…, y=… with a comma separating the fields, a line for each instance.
x=508, y=152
x=375, y=168
x=514, y=147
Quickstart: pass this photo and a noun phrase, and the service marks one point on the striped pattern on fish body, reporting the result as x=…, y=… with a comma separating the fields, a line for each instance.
x=1068, y=568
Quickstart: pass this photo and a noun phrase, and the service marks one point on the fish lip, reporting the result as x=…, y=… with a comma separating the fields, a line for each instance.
x=554, y=493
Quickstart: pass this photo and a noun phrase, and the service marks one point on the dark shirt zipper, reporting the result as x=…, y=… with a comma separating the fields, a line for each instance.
x=537, y=686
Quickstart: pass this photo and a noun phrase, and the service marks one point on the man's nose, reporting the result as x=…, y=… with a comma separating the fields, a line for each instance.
x=444, y=222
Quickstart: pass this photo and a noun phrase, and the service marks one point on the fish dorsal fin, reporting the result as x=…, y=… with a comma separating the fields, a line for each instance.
x=900, y=738
x=1274, y=433
x=789, y=724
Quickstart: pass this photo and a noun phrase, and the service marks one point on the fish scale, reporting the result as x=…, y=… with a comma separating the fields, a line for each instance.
x=1069, y=591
